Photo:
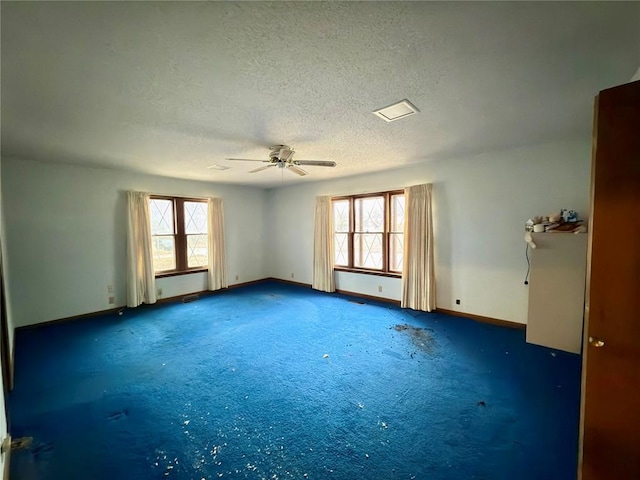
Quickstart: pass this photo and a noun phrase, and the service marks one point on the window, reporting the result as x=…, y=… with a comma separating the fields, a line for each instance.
x=368, y=232
x=179, y=234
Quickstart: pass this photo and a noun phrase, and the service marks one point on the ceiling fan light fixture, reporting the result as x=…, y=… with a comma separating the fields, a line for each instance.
x=396, y=111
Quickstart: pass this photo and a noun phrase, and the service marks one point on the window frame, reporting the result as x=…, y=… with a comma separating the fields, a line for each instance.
x=180, y=237
x=389, y=232
x=385, y=271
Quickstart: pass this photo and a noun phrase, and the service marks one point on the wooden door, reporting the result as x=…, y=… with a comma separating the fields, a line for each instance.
x=610, y=426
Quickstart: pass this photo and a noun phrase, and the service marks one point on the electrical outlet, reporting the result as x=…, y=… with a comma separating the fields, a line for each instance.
x=159, y=292
x=112, y=300
x=110, y=288
x=457, y=301
x=237, y=277
x=292, y=276
x=379, y=288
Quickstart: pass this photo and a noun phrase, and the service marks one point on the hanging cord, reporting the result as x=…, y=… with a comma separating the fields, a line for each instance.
x=526, y=254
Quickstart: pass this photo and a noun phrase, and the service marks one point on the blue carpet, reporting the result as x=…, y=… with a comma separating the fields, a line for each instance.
x=275, y=381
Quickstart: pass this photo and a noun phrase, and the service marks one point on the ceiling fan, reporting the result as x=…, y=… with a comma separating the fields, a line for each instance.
x=281, y=156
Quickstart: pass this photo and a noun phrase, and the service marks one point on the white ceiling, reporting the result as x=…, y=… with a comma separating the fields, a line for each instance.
x=172, y=87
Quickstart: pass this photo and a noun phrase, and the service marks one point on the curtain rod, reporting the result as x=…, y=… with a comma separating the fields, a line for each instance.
x=371, y=192
x=194, y=197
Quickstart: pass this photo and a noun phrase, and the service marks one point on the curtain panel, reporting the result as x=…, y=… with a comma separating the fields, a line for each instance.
x=141, y=280
x=217, y=258
x=323, y=246
x=418, y=279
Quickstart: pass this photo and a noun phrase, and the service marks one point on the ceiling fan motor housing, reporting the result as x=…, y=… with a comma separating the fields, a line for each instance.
x=279, y=153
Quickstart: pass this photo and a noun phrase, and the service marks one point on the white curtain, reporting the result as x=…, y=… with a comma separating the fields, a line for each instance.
x=323, y=247
x=217, y=257
x=141, y=280
x=418, y=279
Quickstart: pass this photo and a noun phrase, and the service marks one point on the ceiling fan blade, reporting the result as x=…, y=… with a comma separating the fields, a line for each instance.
x=297, y=170
x=262, y=168
x=245, y=160
x=315, y=163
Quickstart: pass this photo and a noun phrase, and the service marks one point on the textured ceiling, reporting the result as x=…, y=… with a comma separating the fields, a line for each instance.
x=172, y=87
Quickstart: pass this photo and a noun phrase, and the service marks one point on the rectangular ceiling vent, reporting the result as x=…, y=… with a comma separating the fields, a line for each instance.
x=398, y=110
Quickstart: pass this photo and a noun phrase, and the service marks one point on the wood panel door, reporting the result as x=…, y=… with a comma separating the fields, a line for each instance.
x=610, y=426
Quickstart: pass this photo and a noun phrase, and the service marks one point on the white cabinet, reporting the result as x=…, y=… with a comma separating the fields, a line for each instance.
x=556, y=290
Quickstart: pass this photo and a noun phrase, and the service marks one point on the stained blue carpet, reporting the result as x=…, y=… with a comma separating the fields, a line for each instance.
x=276, y=381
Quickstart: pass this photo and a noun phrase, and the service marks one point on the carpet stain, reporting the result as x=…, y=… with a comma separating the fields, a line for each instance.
x=20, y=443
x=421, y=338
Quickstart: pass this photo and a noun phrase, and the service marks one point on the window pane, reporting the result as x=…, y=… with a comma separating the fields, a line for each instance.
x=396, y=251
x=340, y=249
x=341, y=216
x=367, y=250
x=397, y=213
x=164, y=253
x=197, y=251
x=369, y=214
x=195, y=217
x=161, y=213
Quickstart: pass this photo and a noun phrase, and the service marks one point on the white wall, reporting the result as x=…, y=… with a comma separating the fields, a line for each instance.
x=480, y=205
x=66, y=236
